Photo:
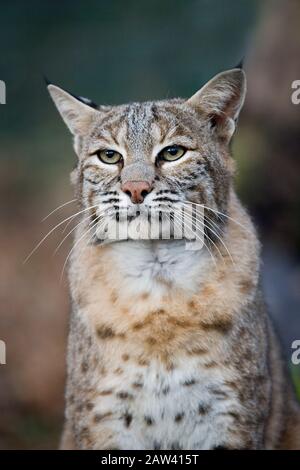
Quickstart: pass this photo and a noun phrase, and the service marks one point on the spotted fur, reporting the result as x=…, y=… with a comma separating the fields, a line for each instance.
x=169, y=348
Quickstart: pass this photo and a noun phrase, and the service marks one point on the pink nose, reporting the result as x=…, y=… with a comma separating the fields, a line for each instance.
x=136, y=190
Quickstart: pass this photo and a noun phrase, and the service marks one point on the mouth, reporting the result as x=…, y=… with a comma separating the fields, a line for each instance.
x=133, y=216
x=141, y=222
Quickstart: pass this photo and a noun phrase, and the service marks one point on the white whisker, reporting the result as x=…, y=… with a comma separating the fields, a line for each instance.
x=57, y=208
x=212, y=256
x=199, y=227
x=51, y=231
x=69, y=233
x=220, y=214
x=218, y=237
x=202, y=231
x=209, y=227
x=95, y=222
x=72, y=230
x=74, y=246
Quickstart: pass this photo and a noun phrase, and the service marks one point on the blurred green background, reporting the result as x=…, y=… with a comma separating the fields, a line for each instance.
x=112, y=52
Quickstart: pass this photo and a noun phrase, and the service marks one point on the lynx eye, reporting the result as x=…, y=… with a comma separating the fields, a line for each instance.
x=109, y=156
x=172, y=153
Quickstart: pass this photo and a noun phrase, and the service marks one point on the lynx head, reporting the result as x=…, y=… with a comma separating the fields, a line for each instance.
x=156, y=154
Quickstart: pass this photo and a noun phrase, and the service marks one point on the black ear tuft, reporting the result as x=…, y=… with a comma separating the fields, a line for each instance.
x=240, y=65
x=79, y=98
x=47, y=81
x=86, y=101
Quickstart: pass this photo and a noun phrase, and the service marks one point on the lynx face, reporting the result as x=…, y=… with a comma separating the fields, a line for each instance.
x=155, y=156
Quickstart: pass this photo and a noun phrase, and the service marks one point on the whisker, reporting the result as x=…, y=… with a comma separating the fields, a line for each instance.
x=202, y=231
x=52, y=230
x=69, y=233
x=220, y=239
x=193, y=221
x=74, y=246
x=67, y=225
x=220, y=214
x=72, y=230
x=73, y=217
x=222, y=242
x=80, y=239
x=59, y=207
x=177, y=219
x=212, y=225
x=206, y=246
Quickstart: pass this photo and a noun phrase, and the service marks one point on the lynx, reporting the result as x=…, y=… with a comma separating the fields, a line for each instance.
x=169, y=348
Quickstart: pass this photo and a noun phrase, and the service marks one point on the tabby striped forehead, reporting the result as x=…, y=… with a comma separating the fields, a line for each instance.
x=138, y=127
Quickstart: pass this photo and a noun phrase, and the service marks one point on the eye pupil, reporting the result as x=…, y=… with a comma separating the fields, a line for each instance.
x=109, y=153
x=173, y=150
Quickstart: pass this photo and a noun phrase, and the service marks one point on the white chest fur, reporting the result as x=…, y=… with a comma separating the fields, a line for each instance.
x=149, y=266
x=186, y=408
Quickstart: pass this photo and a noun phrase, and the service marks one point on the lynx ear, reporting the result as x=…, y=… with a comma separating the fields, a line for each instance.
x=77, y=115
x=221, y=99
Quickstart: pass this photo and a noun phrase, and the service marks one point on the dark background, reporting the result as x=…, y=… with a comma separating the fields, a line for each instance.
x=113, y=52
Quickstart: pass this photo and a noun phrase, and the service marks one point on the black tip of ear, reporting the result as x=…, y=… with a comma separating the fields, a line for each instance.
x=47, y=81
x=79, y=98
x=85, y=101
x=240, y=65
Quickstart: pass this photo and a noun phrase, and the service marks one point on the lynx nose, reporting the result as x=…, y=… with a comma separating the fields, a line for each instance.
x=136, y=190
